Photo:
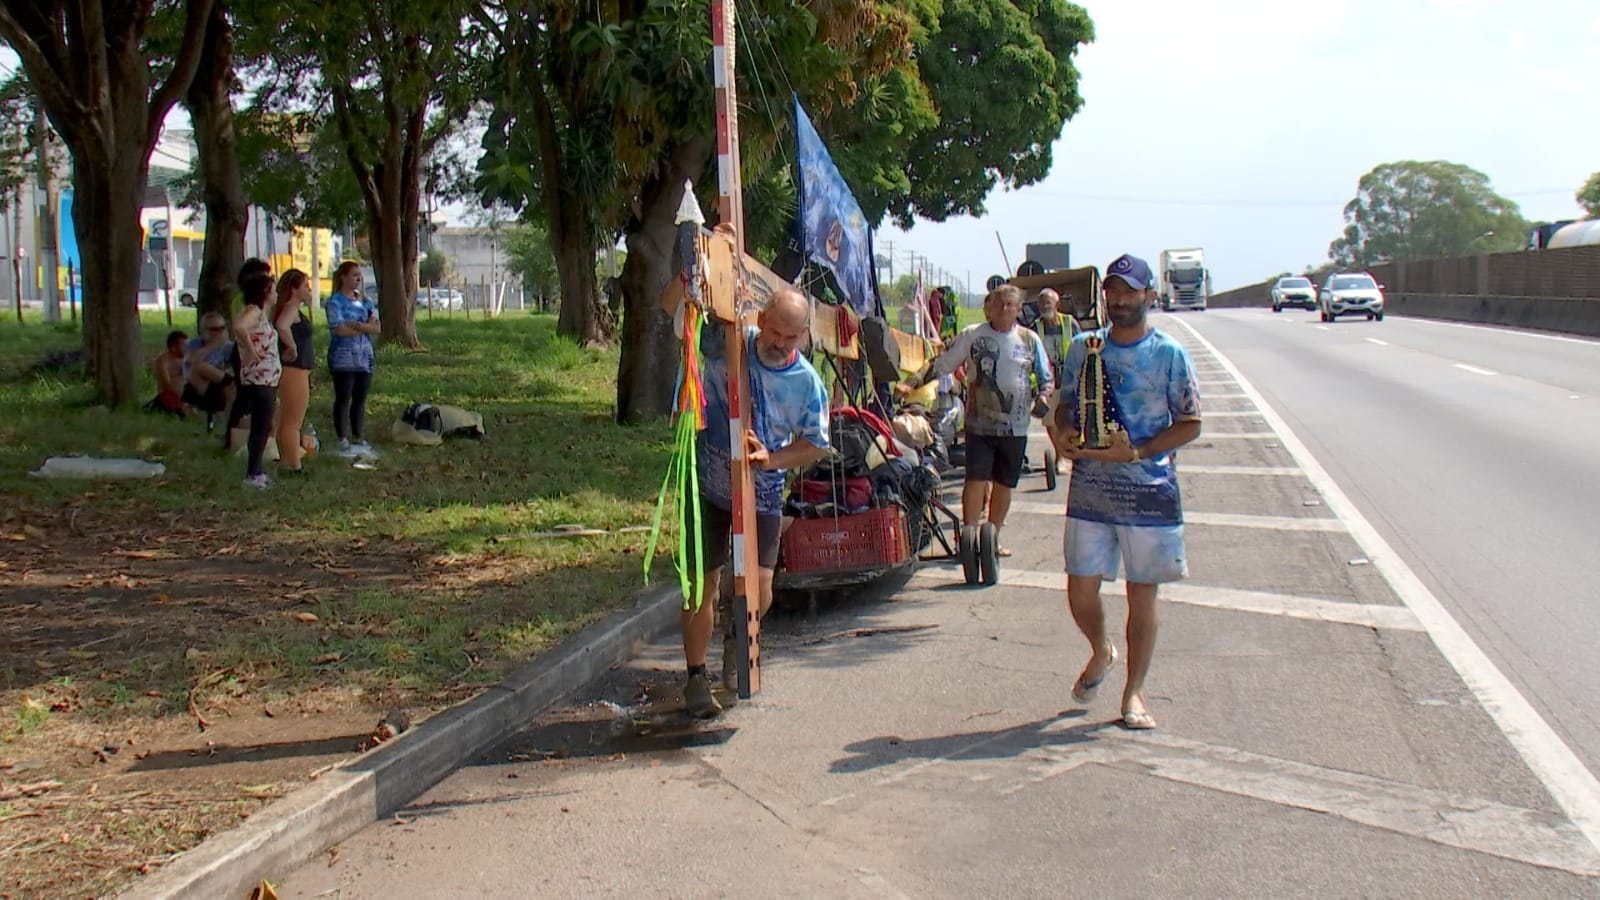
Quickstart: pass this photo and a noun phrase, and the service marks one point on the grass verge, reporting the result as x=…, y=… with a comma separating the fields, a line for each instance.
x=157, y=621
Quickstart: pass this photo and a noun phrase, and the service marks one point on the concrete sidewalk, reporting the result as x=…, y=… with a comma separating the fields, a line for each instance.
x=924, y=745
x=919, y=740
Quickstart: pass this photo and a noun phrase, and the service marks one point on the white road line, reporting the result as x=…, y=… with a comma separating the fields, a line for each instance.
x=1213, y=519
x=1499, y=330
x=1228, y=414
x=1237, y=436
x=1265, y=523
x=1380, y=343
x=1365, y=615
x=1230, y=396
x=1469, y=823
x=1475, y=370
x=1287, y=471
x=1570, y=784
x=1323, y=328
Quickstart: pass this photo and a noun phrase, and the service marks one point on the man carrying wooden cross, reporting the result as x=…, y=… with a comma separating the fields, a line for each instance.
x=788, y=429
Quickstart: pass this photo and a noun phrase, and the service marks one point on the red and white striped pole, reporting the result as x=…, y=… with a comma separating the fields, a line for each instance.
x=730, y=211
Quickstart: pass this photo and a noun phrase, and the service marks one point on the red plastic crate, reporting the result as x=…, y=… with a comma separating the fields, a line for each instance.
x=874, y=539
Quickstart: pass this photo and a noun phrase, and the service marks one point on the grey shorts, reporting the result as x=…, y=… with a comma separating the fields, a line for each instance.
x=716, y=533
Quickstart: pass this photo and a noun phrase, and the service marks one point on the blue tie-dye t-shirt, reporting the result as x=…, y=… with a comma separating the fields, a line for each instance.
x=1154, y=384
x=348, y=353
x=787, y=404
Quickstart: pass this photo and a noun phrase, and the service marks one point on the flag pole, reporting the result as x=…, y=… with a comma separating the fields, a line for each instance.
x=730, y=210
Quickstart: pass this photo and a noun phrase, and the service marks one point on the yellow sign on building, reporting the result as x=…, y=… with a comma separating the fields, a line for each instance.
x=302, y=243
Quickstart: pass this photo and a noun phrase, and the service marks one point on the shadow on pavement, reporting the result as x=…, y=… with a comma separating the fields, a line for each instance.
x=223, y=754
x=875, y=753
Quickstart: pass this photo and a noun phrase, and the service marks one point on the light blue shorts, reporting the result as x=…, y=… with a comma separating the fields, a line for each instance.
x=1152, y=554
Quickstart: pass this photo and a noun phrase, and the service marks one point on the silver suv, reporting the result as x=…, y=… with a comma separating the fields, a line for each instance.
x=1350, y=294
x=1292, y=290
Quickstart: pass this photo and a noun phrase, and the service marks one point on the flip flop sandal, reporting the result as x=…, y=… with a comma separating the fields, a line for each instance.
x=1003, y=552
x=1084, y=691
x=1138, y=721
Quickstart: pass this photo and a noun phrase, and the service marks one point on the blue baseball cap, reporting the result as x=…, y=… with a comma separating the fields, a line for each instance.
x=1133, y=270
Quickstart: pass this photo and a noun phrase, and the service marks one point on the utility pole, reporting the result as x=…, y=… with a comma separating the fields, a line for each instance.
x=14, y=246
x=49, y=227
x=888, y=254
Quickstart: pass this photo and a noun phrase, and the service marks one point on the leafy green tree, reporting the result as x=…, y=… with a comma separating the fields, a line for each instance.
x=529, y=256
x=1412, y=210
x=107, y=91
x=394, y=78
x=1589, y=196
x=433, y=269
x=218, y=178
x=901, y=291
x=16, y=150
x=1000, y=73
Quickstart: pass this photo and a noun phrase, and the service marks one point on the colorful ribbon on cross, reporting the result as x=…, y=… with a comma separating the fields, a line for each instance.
x=682, y=481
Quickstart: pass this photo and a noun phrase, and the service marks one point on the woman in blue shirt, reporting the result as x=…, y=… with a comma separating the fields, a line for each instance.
x=352, y=321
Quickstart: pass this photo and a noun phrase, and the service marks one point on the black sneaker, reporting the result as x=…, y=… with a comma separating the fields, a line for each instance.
x=293, y=473
x=698, y=700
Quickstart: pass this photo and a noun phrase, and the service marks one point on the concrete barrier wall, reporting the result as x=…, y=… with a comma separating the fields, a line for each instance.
x=1564, y=314
x=1549, y=290
x=1249, y=295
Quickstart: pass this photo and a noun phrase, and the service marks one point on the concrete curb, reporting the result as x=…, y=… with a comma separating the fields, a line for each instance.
x=297, y=827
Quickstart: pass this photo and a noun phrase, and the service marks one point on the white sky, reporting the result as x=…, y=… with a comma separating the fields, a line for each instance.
x=1243, y=126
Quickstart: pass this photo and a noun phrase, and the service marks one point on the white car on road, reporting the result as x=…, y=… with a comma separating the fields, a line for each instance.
x=440, y=298
x=1293, y=290
x=1351, y=294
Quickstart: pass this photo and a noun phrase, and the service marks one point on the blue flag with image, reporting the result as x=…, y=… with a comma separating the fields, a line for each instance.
x=833, y=231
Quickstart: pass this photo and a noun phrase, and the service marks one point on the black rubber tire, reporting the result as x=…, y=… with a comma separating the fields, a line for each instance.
x=1326, y=318
x=1378, y=317
x=1049, y=470
x=1277, y=309
x=967, y=547
x=989, y=553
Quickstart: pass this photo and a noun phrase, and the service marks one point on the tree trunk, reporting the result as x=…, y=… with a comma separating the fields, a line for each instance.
x=211, y=109
x=583, y=315
x=105, y=209
x=49, y=216
x=649, y=364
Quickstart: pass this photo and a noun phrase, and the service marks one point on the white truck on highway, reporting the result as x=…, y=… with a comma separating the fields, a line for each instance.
x=1185, y=283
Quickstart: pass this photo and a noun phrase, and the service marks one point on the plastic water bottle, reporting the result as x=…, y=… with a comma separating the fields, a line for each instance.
x=309, y=438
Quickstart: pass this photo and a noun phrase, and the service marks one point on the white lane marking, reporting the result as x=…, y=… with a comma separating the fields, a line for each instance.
x=1574, y=788
x=1265, y=523
x=1288, y=471
x=1237, y=436
x=1380, y=343
x=1228, y=396
x=1214, y=519
x=1227, y=414
x=1511, y=331
x=1475, y=824
x=1365, y=615
x=1323, y=328
x=1475, y=370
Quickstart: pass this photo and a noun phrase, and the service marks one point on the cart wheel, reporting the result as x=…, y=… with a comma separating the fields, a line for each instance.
x=969, y=553
x=1049, y=470
x=989, y=553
